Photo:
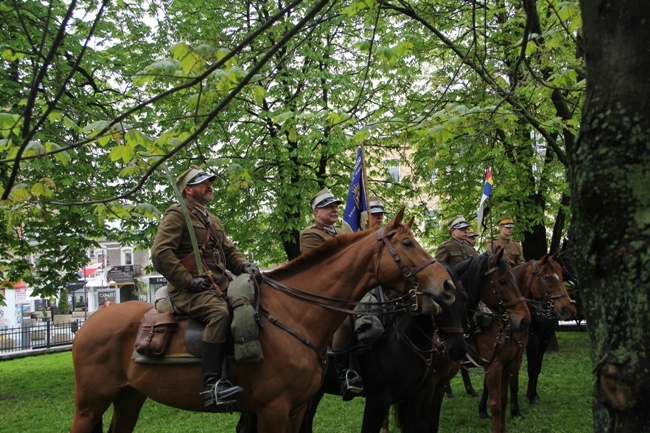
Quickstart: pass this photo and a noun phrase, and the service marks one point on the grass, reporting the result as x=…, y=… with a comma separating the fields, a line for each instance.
x=36, y=395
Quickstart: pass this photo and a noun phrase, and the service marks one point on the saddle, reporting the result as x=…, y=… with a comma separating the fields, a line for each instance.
x=169, y=335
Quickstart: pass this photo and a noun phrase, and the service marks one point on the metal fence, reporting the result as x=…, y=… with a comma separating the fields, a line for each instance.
x=38, y=334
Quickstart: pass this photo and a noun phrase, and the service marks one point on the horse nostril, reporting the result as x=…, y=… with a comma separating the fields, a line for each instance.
x=449, y=286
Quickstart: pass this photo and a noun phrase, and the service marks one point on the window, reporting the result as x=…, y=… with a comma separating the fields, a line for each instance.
x=127, y=256
x=392, y=170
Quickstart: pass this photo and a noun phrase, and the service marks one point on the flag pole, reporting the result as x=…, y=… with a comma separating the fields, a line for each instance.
x=364, y=184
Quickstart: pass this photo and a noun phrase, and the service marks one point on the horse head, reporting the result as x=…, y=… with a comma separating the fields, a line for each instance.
x=421, y=273
x=450, y=324
x=505, y=294
x=548, y=287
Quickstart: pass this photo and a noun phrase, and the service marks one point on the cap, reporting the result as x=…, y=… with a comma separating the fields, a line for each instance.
x=471, y=233
x=323, y=198
x=193, y=176
x=507, y=222
x=376, y=206
x=458, y=222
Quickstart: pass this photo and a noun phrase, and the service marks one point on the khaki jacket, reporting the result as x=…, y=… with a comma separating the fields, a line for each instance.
x=317, y=233
x=172, y=243
x=512, y=249
x=452, y=253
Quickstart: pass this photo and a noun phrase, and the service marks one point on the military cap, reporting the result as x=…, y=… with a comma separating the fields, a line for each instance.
x=471, y=233
x=193, y=176
x=376, y=206
x=506, y=222
x=323, y=198
x=458, y=222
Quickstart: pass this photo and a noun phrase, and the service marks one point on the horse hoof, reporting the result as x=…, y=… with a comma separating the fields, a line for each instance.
x=483, y=415
x=517, y=415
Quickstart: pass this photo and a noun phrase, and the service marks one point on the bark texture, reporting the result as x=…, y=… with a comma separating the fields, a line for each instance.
x=610, y=184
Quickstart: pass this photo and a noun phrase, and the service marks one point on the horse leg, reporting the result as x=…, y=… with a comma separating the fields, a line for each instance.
x=534, y=355
x=493, y=382
x=467, y=381
x=89, y=410
x=247, y=423
x=307, y=424
x=514, y=386
x=375, y=413
x=126, y=409
x=482, y=404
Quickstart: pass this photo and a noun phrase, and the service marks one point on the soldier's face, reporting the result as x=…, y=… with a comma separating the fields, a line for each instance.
x=201, y=193
x=506, y=232
x=328, y=215
x=376, y=219
x=459, y=233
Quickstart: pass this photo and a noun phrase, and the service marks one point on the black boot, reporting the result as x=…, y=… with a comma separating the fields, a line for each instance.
x=216, y=389
x=349, y=380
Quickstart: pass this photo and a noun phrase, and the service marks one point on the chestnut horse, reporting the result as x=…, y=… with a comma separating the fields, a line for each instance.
x=302, y=304
x=487, y=278
x=498, y=346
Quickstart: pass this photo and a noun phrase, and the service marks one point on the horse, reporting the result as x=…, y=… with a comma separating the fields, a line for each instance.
x=498, y=346
x=541, y=283
x=302, y=303
x=406, y=358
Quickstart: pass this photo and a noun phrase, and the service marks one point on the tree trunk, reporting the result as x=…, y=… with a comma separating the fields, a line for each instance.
x=610, y=178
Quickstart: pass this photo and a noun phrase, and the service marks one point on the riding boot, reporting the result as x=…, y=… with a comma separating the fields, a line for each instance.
x=216, y=389
x=349, y=380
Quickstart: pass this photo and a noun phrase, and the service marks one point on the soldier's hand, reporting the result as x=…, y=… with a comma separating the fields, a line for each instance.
x=253, y=270
x=198, y=284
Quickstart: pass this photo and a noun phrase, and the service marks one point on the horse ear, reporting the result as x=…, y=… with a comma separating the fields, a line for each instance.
x=496, y=257
x=544, y=259
x=409, y=223
x=397, y=220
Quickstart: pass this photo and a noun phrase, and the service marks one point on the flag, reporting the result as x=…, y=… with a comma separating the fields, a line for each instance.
x=487, y=191
x=356, y=195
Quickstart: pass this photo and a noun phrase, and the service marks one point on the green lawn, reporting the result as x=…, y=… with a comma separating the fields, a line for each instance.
x=36, y=395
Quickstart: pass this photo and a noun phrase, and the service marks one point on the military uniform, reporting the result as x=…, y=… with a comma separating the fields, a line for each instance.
x=172, y=243
x=512, y=249
x=317, y=233
x=454, y=251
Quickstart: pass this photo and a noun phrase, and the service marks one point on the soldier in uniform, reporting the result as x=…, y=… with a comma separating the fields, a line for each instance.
x=377, y=213
x=194, y=294
x=511, y=248
x=471, y=237
x=326, y=214
x=455, y=249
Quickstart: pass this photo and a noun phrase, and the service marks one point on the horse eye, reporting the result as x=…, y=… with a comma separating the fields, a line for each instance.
x=407, y=243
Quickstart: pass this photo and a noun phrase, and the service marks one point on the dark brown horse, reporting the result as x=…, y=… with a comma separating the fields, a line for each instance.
x=541, y=283
x=307, y=300
x=487, y=278
x=499, y=345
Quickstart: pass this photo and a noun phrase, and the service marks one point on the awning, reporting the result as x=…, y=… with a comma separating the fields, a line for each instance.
x=91, y=269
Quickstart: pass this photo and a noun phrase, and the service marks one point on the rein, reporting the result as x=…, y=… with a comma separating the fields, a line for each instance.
x=372, y=308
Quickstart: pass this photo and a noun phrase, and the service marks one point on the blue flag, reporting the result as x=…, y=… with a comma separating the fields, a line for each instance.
x=487, y=191
x=356, y=196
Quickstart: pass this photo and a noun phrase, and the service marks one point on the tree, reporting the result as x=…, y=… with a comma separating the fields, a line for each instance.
x=609, y=180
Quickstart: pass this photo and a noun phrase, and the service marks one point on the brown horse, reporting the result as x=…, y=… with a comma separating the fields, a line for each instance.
x=486, y=278
x=303, y=303
x=499, y=345
x=541, y=283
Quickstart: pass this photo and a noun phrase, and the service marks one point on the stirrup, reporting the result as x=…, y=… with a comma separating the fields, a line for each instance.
x=213, y=396
x=353, y=382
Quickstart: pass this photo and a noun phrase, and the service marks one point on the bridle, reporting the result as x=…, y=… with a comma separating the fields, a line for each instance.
x=544, y=308
x=402, y=304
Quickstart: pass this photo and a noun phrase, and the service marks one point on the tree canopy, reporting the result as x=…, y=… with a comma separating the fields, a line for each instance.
x=101, y=99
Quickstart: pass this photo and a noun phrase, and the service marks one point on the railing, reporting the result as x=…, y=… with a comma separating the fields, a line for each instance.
x=39, y=334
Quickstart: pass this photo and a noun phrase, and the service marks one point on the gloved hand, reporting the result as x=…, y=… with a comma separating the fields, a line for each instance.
x=253, y=269
x=198, y=284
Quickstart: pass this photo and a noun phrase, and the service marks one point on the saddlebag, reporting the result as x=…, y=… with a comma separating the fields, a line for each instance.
x=155, y=334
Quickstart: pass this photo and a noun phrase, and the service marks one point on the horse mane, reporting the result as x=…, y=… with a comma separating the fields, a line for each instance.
x=473, y=270
x=318, y=254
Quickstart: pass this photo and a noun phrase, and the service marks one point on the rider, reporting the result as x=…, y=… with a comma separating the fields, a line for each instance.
x=326, y=214
x=377, y=213
x=471, y=237
x=195, y=294
x=511, y=248
x=455, y=249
